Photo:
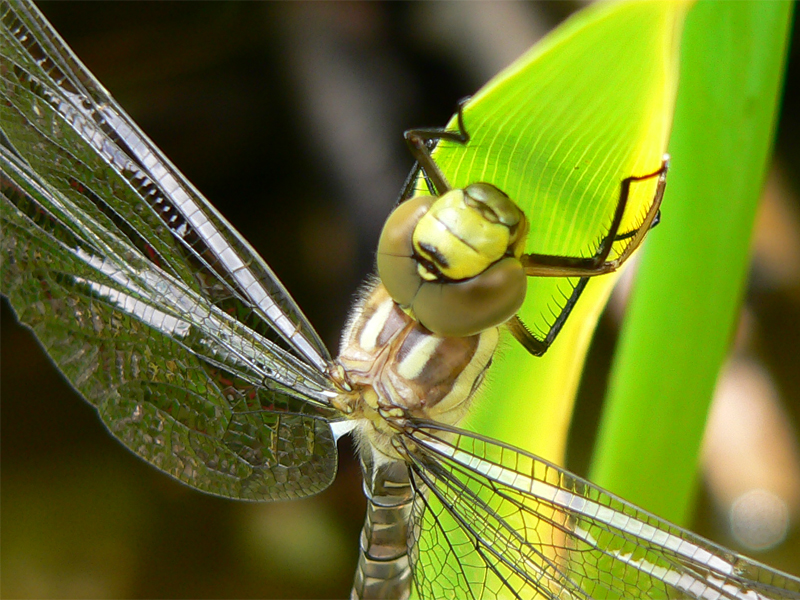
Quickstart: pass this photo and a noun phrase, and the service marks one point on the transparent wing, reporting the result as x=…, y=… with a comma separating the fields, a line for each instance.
x=153, y=307
x=497, y=522
x=56, y=110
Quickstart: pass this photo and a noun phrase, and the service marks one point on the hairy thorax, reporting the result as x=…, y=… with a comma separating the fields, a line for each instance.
x=390, y=368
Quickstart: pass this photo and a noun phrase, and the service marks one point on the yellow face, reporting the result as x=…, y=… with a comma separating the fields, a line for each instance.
x=464, y=232
x=452, y=262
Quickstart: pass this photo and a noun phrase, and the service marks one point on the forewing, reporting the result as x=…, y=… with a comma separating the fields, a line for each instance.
x=151, y=305
x=498, y=522
x=70, y=130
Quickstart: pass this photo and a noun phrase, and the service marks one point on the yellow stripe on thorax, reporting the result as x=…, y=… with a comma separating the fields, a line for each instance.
x=412, y=365
x=374, y=325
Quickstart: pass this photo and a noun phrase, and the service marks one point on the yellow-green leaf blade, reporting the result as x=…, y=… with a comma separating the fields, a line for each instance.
x=558, y=131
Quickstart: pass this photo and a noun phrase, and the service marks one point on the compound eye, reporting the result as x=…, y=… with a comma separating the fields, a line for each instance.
x=468, y=307
x=397, y=267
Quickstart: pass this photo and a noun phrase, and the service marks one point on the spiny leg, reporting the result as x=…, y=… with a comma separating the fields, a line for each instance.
x=517, y=327
x=528, y=339
x=546, y=265
x=630, y=234
x=419, y=140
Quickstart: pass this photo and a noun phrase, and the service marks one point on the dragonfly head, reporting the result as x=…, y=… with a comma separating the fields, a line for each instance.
x=452, y=262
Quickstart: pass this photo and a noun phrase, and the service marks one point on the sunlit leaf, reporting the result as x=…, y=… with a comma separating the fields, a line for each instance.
x=558, y=130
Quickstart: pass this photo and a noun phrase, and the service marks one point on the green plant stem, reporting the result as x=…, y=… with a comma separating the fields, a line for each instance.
x=685, y=305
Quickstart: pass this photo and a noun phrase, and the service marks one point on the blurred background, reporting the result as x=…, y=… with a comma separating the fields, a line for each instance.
x=288, y=117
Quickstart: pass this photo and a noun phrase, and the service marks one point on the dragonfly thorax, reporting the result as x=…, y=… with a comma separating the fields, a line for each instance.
x=452, y=262
x=396, y=368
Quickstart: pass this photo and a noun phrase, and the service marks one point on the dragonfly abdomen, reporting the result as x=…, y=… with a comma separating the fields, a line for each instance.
x=384, y=568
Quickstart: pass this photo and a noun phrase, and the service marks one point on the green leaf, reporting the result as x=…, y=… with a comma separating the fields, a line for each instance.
x=689, y=287
x=558, y=130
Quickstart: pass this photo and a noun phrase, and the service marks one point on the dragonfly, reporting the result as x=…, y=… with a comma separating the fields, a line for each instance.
x=198, y=360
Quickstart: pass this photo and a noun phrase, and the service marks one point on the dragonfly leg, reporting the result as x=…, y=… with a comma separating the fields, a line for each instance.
x=526, y=337
x=421, y=141
x=546, y=265
x=533, y=344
